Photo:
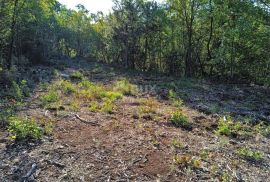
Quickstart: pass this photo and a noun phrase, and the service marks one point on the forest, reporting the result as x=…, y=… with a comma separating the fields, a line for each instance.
x=216, y=39
x=177, y=90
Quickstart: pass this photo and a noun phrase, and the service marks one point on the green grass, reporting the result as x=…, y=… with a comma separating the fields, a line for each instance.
x=249, y=154
x=112, y=95
x=228, y=127
x=179, y=119
x=50, y=97
x=24, y=128
x=68, y=87
x=107, y=106
x=94, y=106
x=175, y=100
x=76, y=75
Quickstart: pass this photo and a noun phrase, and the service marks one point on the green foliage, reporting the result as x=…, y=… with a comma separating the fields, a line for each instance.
x=107, y=106
x=76, y=75
x=176, y=101
x=16, y=91
x=228, y=127
x=68, y=87
x=112, y=95
x=94, y=106
x=179, y=119
x=187, y=161
x=125, y=87
x=50, y=97
x=24, y=128
x=263, y=129
x=177, y=144
x=249, y=154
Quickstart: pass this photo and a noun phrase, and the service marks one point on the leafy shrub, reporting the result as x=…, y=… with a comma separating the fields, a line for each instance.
x=179, y=119
x=177, y=102
x=249, y=154
x=16, y=91
x=263, y=129
x=85, y=84
x=112, y=95
x=68, y=87
x=24, y=128
x=125, y=87
x=187, y=161
x=49, y=97
x=107, y=106
x=94, y=106
x=228, y=127
x=76, y=75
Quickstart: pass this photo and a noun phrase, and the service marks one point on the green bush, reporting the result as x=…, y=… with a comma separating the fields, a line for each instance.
x=76, y=75
x=179, y=119
x=228, y=127
x=24, y=128
x=49, y=97
x=16, y=91
x=68, y=87
x=112, y=95
x=249, y=154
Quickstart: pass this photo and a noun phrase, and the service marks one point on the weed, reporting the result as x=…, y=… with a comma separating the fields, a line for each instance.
x=263, y=129
x=16, y=91
x=85, y=84
x=125, y=87
x=94, y=106
x=107, y=106
x=228, y=127
x=75, y=105
x=47, y=125
x=24, y=128
x=179, y=119
x=148, y=105
x=68, y=87
x=177, y=144
x=249, y=154
x=49, y=97
x=204, y=154
x=76, y=75
x=176, y=101
x=112, y=95
x=187, y=161
x=44, y=86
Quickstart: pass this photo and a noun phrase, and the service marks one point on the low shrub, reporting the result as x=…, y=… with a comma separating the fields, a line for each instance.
x=248, y=154
x=24, y=128
x=76, y=75
x=49, y=97
x=179, y=119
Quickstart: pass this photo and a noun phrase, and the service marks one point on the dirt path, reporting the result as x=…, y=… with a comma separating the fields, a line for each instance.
x=125, y=147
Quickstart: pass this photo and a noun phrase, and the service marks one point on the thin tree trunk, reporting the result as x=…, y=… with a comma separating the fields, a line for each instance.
x=12, y=28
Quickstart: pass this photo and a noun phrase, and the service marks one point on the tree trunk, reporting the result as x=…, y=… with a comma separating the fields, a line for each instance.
x=12, y=29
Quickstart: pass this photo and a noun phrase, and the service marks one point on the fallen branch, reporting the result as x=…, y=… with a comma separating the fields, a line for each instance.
x=30, y=173
x=85, y=121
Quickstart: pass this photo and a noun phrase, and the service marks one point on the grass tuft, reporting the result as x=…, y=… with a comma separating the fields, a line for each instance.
x=179, y=119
